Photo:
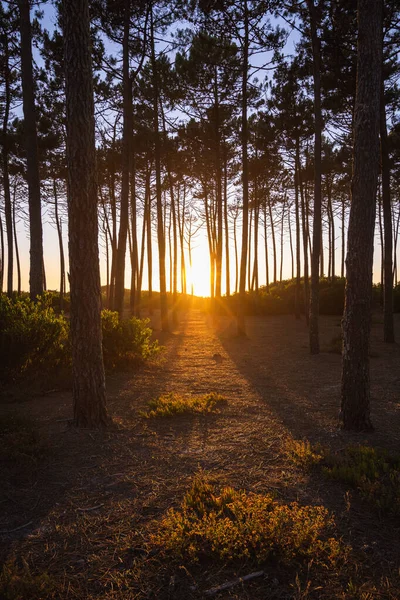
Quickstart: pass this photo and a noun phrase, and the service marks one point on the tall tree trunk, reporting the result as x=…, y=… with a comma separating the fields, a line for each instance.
x=6, y=177
x=304, y=224
x=87, y=356
x=266, y=247
x=157, y=158
x=134, y=248
x=236, y=254
x=126, y=165
x=36, y=275
x=357, y=312
x=1, y=256
x=343, y=239
x=271, y=220
x=219, y=200
x=149, y=252
x=297, y=311
x=381, y=237
x=227, y=261
x=388, y=323
x=314, y=296
x=291, y=243
x=245, y=177
x=16, y=244
x=282, y=223
x=61, y=245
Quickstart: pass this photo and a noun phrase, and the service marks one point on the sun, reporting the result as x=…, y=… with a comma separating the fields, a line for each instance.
x=198, y=275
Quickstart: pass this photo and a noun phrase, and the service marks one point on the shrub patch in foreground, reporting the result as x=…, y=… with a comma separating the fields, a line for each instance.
x=372, y=471
x=233, y=525
x=171, y=404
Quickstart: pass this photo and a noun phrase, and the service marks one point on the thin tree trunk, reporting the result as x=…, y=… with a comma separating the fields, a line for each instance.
x=157, y=158
x=315, y=258
x=282, y=222
x=126, y=165
x=357, y=313
x=297, y=311
x=343, y=239
x=87, y=356
x=1, y=256
x=291, y=243
x=6, y=177
x=36, y=275
x=304, y=223
x=388, y=322
x=271, y=220
x=245, y=177
x=16, y=245
x=61, y=246
x=227, y=261
x=381, y=237
x=266, y=248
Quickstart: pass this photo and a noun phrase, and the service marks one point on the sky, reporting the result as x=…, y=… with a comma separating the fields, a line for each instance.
x=200, y=273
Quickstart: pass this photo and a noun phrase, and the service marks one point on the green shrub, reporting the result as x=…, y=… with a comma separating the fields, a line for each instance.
x=372, y=471
x=233, y=525
x=32, y=337
x=126, y=341
x=172, y=404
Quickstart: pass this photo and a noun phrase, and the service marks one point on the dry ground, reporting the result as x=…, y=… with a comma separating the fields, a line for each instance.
x=87, y=507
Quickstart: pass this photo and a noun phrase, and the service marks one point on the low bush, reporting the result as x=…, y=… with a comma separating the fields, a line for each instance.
x=372, y=471
x=33, y=338
x=172, y=404
x=230, y=525
x=35, y=341
x=126, y=341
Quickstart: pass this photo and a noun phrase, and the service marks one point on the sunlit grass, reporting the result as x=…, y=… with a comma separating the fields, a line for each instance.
x=171, y=404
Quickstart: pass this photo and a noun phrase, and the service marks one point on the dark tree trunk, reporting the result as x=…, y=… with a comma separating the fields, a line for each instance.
x=282, y=223
x=304, y=224
x=316, y=250
x=134, y=247
x=6, y=177
x=87, y=356
x=61, y=246
x=227, y=261
x=298, y=244
x=1, y=256
x=36, y=275
x=388, y=323
x=14, y=223
x=266, y=248
x=357, y=312
x=126, y=166
x=343, y=239
x=271, y=220
x=245, y=178
x=157, y=157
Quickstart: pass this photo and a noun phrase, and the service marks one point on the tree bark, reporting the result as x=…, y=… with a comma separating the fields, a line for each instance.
x=157, y=157
x=6, y=176
x=316, y=250
x=245, y=178
x=388, y=323
x=357, y=312
x=36, y=275
x=87, y=356
x=126, y=165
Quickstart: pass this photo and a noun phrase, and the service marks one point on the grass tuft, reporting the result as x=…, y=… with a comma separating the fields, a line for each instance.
x=171, y=404
x=303, y=454
x=230, y=525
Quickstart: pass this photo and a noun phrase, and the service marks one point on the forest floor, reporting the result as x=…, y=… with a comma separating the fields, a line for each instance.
x=77, y=517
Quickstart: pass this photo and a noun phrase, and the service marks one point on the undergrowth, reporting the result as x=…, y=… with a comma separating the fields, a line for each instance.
x=21, y=584
x=372, y=471
x=231, y=525
x=20, y=442
x=171, y=404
